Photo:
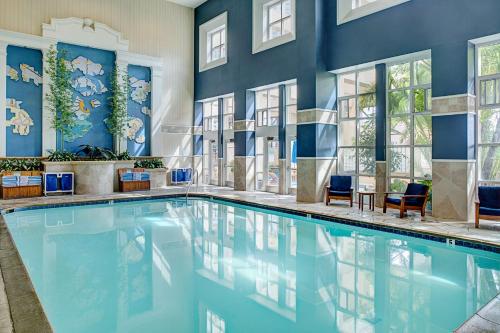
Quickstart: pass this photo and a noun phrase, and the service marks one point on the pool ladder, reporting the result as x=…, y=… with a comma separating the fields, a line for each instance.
x=195, y=174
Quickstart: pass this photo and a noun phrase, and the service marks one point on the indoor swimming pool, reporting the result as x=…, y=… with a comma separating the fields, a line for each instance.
x=200, y=265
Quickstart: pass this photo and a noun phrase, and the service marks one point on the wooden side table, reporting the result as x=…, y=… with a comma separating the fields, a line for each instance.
x=361, y=203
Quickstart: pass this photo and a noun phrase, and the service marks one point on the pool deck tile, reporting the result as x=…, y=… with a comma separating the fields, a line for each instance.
x=20, y=310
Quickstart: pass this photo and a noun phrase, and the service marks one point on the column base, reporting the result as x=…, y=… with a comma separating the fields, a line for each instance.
x=453, y=188
x=312, y=176
x=244, y=173
x=380, y=183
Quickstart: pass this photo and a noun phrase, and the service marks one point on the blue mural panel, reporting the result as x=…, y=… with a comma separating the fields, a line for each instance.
x=24, y=102
x=91, y=80
x=139, y=111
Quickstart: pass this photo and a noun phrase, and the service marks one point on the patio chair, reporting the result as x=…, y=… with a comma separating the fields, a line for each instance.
x=340, y=188
x=415, y=198
x=488, y=205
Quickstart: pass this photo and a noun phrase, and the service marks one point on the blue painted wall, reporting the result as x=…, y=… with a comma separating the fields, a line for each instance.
x=98, y=134
x=135, y=108
x=30, y=95
x=443, y=26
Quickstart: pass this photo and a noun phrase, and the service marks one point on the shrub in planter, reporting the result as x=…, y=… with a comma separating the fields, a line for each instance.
x=61, y=156
x=125, y=156
x=14, y=164
x=153, y=163
x=95, y=153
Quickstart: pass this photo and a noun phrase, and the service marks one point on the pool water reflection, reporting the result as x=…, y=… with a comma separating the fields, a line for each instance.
x=207, y=266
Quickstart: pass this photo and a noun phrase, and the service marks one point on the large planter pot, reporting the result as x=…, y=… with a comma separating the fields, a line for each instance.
x=158, y=177
x=120, y=165
x=94, y=177
x=58, y=166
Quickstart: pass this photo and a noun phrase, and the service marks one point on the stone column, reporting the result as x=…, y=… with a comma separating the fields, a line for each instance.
x=380, y=136
x=220, y=141
x=453, y=164
x=3, y=97
x=122, y=67
x=244, y=141
x=317, y=150
x=156, y=116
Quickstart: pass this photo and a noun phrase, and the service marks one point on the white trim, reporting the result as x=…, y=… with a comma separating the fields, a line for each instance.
x=454, y=161
x=258, y=43
x=211, y=99
x=453, y=113
x=317, y=158
x=388, y=61
x=85, y=32
x=217, y=22
x=3, y=91
x=492, y=39
x=380, y=162
x=345, y=13
x=274, y=85
x=453, y=96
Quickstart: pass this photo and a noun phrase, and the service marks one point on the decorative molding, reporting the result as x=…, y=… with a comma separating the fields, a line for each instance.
x=244, y=125
x=317, y=116
x=3, y=92
x=346, y=13
x=85, y=32
x=453, y=161
x=155, y=63
x=26, y=40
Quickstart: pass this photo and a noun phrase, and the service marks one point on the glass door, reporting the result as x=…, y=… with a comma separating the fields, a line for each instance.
x=229, y=164
x=292, y=165
x=214, y=164
x=273, y=166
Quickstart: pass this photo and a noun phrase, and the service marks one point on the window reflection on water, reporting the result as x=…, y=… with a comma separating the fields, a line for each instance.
x=205, y=267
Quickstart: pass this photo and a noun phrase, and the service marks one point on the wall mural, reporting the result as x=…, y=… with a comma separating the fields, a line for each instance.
x=24, y=102
x=139, y=111
x=91, y=78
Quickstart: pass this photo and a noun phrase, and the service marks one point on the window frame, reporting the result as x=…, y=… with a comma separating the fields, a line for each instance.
x=260, y=120
x=357, y=119
x=479, y=107
x=259, y=27
x=221, y=31
x=411, y=88
x=206, y=31
x=211, y=122
x=346, y=13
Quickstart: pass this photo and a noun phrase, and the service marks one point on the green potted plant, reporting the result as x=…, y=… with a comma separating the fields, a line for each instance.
x=156, y=169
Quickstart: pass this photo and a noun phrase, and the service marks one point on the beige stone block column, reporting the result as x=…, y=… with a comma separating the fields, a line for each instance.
x=380, y=183
x=244, y=173
x=313, y=175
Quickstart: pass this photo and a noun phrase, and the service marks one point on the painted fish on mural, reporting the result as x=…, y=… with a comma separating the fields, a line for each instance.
x=12, y=73
x=79, y=109
x=140, y=90
x=21, y=120
x=95, y=103
x=29, y=73
x=88, y=86
x=145, y=110
x=86, y=66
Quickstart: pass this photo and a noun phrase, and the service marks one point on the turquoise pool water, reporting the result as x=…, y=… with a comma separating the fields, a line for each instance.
x=207, y=266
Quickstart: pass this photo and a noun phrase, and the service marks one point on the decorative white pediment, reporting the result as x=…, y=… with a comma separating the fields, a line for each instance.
x=85, y=32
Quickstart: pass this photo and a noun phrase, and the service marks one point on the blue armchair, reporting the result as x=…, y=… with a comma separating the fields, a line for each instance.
x=488, y=206
x=340, y=188
x=414, y=198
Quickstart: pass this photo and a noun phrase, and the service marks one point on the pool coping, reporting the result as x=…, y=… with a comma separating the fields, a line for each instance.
x=16, y=278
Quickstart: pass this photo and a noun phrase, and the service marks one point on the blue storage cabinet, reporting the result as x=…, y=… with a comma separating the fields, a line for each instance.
x=58, y=182
x=181, y=176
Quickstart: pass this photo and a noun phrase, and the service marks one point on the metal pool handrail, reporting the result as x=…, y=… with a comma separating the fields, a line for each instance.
x=195, y=174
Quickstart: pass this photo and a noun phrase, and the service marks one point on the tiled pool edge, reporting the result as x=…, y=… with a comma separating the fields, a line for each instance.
x=485, y=320
x=40, y=323
x=25, y=311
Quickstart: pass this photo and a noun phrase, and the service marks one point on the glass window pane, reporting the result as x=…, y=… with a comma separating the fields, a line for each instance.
x=275, y=12
x=400, y=161
x=274, y=97
x=273, y=117
x=347, y=84
x=366, y=132
x=291, y=117
x=489, y=126
x=287, y=8
x=489, y=60
x=419, y=100
x=291, y=94
x=366, y=183
x=348, y=108
x=423, y=130
x=400, y=131
x=366, y=81
x=489, y=163
x=423, y=70
x=366, y=161
x=399, y=102
x=487, y=89
x=287, y=26
x=216, y=41
x=367, y=105
x=399, y=76
x=261, y=99
x=275, y=30
x=428, y=93
x=216, y=53
x=398, y=185
x=423, y=162
x=347, y=160
x=347, y=132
